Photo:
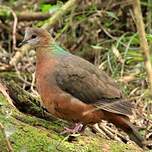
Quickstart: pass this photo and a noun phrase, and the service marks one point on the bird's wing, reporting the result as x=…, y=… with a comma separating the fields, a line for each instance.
x=84, y=81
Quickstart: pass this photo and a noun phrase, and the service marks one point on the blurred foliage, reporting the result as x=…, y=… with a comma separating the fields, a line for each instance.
x=100, y=31
x=49, y=8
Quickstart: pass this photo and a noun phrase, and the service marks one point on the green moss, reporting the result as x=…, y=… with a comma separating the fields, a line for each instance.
x=120, y=147
x=8, y=76
x=37, y=140
x=2, y=144
x=29, y=133
x=32, y=140
x=2, y=100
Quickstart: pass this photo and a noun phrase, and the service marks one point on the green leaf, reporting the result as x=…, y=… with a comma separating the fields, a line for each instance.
x=111, y=14
x=49, y=8
x=96, y=47
x=149, y=37
x=45, y=7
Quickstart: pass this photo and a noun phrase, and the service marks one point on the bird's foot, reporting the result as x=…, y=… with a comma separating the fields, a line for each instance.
x=77, y=128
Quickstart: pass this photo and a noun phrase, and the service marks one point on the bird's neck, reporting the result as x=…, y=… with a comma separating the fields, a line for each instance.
x=57, y=50
x=42, y=56
x=50, y=51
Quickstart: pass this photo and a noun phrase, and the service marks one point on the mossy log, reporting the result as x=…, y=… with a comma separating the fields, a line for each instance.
x=37, y=131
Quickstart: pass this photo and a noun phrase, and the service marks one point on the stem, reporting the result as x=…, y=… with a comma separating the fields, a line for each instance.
x=63, y=10
x=143, y=41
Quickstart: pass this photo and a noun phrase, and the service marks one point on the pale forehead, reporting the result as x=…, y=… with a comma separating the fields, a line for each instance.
x=30, y=30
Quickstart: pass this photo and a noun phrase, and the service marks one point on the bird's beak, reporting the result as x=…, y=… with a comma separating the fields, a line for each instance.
x=22, y=43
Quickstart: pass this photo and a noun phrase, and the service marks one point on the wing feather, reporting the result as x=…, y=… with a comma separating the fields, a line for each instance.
x=86, y=82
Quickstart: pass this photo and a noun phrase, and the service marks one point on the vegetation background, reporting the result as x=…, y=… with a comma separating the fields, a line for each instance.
x=103, y=32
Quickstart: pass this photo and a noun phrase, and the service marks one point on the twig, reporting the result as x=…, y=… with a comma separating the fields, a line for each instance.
x=115, y=132
x=99, y=130
x=8, y=29
x=117, y=54
x=19, y=54
x=20, y=77
x=113, y=37
x=3, y=90
x=5, y=67
x=63, y=10
x=25, y=16
x=66, y=7
x=149, y=17
x=108, y=132
x=32, y=16
x=8, y=144
x=14, y=29
x=6, y=8
x=33, y=84
x=143, y=41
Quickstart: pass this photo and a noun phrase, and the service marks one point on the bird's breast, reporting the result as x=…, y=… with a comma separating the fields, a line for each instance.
x=45, y=80
x=58, y=102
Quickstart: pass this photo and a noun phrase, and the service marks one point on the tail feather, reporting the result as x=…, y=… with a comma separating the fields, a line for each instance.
x=134, y=135
x=118, y=106
x=123, y=123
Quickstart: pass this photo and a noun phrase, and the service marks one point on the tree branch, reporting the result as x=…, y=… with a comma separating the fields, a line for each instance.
x=23, y=16
x=63, y=10
x=143, y=41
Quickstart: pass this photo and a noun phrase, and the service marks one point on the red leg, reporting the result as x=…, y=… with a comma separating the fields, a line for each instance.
x=77, y=128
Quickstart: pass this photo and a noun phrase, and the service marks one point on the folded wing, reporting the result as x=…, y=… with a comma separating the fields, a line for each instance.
x=84, y=81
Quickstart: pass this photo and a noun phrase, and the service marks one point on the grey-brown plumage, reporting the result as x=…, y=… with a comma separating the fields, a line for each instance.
x=73, y=89
x=89, y=84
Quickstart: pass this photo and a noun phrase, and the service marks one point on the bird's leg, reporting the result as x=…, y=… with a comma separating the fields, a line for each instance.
x=78, y=127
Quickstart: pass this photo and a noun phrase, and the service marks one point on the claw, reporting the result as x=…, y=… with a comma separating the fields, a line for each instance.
x=77, y=128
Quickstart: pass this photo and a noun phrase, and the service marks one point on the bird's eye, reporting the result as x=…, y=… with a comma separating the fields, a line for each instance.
x=33, y=36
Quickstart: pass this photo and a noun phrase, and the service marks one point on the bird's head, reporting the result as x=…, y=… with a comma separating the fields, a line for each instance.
x=36, y=37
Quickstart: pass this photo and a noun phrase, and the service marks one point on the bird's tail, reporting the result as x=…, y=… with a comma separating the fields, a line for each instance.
x=123, y=123
x=134, y=135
